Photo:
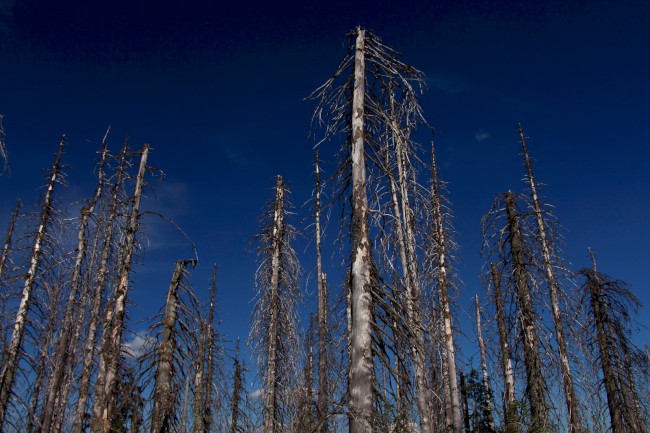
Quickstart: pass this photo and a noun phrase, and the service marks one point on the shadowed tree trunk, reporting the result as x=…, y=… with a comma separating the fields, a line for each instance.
x=13, y=351
x=487, y=410
x=535, y=388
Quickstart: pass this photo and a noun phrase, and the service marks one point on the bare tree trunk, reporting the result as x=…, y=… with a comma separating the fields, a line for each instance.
x=100, y=285
x=13, y=352
x=487, y=410
x=443, y=288
x=209, y=376
x=271, y=388
x=610, y=378
x=463, y=392
x=510, y=410
x=199, y=397
x=323, y=356
x=237, y=388
x=535, y=380
x=63, y=349
x=10, y=232
x=553, y=286
x=112, y=340
x=361, y=362
x=163, y=399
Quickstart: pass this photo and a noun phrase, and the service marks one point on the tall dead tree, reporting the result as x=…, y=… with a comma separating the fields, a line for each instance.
x=239, y=400
x=63, y=347
x=12, y=358
x=374, y=106
x=99, y=284
x=510, y=414
x=487, y=409
x=548, y=253
x=535, y=389
x=274, y=333
x=112, y=338
x=440, y=252
x=611, y=308
x=165, y=394
x=4, y=259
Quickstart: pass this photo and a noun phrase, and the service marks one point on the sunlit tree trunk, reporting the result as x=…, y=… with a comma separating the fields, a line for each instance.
x=361, y=362
x=510, y=410
x=112, y=339
x=13, y=351
x=63, y=348
x=553, y=286
x=535, y=381
x=98, y=293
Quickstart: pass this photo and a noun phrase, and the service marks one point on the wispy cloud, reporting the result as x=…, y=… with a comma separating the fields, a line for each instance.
x=257, y=393
x=135, y=345
x=481, y=135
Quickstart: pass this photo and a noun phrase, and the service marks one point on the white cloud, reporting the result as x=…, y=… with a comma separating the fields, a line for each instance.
x=257, y=393
x=135, y=345
x=481, y=136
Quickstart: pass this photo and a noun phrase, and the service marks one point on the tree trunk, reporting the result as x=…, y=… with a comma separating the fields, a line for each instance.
x=535, y=380
x=361, y=362
x=237, y=388
x=99, y=289
x=8, y=241
x=553, y=286
x=322, y=403
x=270, y=397
x=63, y=348
x=209, y=376
x=487, y=410
x=163, y=399
x=510, y=409
x=13, y=351
x=112, y=340
x=443, y=288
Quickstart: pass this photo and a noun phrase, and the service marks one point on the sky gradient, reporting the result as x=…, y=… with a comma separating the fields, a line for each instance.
x=218, y=92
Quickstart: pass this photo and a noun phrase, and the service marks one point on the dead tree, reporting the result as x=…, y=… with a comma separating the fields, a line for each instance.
x=62, y=355
x=611, y=309
x=240, y=409
x=112, y=338
x=548, y=253
x=487, y=409
x=99, y=284
x=510, y=413
x=4, y=259
x=168, y=373
x=12, y=358
x=273, y=333
x=375, y=106
x=3, y=145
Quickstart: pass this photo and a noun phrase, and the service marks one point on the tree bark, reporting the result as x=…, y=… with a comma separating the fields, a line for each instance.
x=553, y=286
x=487, y=410
x=99, y=289
x=112, y=340
x=361, y=362
x=13, y=351
x=63, y=349
x=271, y=386
x=535, y=381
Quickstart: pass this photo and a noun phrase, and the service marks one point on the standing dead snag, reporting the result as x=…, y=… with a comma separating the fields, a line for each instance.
x=487, y=409
x=535, y=389
x=612, y=305
x=547, y=250
x=112, y=339
x=62, y=355
x=163, y=415
x=13, y=351
x=376, y=108
x=274, y=332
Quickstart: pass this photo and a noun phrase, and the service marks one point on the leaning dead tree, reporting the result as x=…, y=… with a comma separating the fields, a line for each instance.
x=611, y=312
x=372, y=100
x=274, y=335
x=548, y=259
x=113, y=323
x=169, y=357
x=13, y=351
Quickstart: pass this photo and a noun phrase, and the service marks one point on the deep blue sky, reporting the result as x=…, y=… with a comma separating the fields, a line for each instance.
x=218, y=93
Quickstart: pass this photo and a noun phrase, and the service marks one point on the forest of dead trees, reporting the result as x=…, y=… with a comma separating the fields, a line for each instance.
x=381, y=351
